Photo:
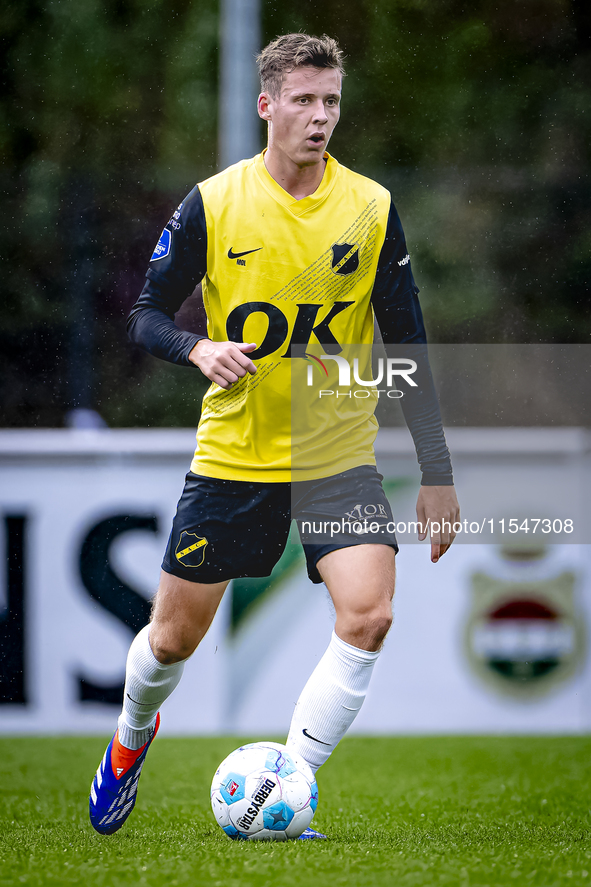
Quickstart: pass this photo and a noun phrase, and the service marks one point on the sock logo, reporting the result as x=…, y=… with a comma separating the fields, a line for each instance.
x=313, y=738
x=135, y=701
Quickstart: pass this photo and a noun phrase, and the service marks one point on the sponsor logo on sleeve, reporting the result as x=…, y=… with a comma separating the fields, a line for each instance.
x=163, y=246
x=175, y=219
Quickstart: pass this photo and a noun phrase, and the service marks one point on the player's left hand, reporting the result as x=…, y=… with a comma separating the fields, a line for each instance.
x=439, y=506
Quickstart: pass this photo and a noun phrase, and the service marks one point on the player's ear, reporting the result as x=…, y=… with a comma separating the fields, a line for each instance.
x=263, y=106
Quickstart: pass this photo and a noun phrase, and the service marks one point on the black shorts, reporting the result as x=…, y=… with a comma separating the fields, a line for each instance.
x=230, y=529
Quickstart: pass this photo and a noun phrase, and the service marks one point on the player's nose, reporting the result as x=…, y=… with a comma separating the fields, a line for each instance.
x=319, y=115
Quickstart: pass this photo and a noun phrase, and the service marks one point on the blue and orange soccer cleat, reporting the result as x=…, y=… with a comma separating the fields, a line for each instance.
x=310, y=834
x=114, y=788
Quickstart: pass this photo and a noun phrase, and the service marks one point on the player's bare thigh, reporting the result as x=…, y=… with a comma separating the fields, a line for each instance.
x=181, y=616
x=361, y=581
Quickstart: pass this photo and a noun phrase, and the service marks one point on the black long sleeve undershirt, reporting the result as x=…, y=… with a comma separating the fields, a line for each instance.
x=401, y=323
x=170, y=280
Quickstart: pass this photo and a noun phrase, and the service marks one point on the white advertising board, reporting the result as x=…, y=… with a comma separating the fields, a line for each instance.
x=491, y=639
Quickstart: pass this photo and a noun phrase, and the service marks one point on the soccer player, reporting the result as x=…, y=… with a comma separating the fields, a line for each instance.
x=302, y=252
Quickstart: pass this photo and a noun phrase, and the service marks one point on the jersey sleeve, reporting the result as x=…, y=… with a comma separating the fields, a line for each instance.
x=178, y=264
x=398, y=313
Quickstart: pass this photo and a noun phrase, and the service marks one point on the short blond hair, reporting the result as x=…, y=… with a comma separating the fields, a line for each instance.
x=291, y=51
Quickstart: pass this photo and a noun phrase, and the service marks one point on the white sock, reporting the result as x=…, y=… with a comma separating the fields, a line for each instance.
x=147, y=684
x=330, y=701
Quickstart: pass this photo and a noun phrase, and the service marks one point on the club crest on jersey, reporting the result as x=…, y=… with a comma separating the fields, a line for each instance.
x=190, y=551
x=163, y=246
x=345, y=258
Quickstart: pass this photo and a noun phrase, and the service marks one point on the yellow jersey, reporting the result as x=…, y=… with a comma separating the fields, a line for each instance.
x=297, y=278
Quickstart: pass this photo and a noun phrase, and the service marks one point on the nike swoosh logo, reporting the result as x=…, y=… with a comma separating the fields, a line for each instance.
x=305, y=732
x=136, y=701
x=232, y=255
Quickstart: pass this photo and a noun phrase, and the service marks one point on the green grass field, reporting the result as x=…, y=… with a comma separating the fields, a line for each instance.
x=399, y=811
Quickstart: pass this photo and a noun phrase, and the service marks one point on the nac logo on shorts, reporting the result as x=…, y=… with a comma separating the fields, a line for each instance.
x=190, y=551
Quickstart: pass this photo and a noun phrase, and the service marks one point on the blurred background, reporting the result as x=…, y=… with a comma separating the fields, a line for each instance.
x=477, y=118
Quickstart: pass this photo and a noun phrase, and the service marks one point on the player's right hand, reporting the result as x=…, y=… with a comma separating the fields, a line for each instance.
x=223, y=362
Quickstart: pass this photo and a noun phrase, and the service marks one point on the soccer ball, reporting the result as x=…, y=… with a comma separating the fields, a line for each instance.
x=262, y=791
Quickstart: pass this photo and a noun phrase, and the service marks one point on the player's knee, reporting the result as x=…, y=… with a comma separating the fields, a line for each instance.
x=367, y=629
x=169, y=648
x=379, y=625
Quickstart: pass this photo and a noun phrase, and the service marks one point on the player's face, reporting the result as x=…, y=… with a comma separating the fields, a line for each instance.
x=304, y=115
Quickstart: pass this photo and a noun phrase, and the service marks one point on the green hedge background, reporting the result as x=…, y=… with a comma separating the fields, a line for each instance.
x=476, y=116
